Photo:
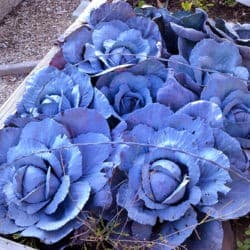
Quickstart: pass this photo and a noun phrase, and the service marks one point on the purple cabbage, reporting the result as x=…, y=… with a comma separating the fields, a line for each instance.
x=133, y=88
x=50, y=179
x=51, y=91
x=188, y=165
x=233, y=97
x=116, y=36
x=180, y=30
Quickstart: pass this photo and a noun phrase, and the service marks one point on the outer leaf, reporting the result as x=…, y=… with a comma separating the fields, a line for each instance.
x=74, y=44
x=211, y=237
x=213, y=179
x=79, y=121
x=101, y=151
x=51, y=237
x=174, y=95
x=208, y=111
x=180, y=65
x=50, y=128
x=153, y=115
x=10, y=137
x=107, y=12
x=175, y=233
x=219, y=86
x=74, y=203
x=21, y=218
x=7, y=226
x=234, y=204
x=101, y=104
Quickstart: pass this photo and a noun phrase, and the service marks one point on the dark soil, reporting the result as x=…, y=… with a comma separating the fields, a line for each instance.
x=240, y=226
x=235, y=13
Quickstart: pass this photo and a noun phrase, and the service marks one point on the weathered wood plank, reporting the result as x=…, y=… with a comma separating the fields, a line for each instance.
x=9, y=107
x=17, y=68
x=11, y=245
x=78, y=11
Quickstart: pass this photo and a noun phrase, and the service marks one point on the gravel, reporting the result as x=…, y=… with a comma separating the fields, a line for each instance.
x=28, y=32
x=32, y=28
x=7, y=85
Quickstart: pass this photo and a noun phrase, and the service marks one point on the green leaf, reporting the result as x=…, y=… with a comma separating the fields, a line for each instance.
x=247, y=242
x=186, y=5
x=239, y=244
x=141, y=3
x=247, y=232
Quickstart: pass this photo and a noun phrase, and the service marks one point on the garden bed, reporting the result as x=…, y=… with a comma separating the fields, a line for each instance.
x=54, y=57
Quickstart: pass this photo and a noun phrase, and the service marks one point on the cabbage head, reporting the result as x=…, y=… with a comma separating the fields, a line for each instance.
x=180, y=168
x=50, y=178
x=115, y=36
x=233, y=97
x=50, y=91
x=133, y=88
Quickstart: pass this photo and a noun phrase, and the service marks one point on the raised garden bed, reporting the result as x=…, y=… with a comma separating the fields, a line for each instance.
x=194, y=157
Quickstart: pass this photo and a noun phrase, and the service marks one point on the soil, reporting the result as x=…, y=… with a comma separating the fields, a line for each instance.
x=236, y=13
x=8, y=84
x=240, y=226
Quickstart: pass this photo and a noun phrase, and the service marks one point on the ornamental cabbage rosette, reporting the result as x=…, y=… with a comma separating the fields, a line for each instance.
x=209, y=56
x=180, y=30
x=49, y=177
x=233, y=97
x=180, y=168
x=115, y=36
x=133, y=88
x=51, y=91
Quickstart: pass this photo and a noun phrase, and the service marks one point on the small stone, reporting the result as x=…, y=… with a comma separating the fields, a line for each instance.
x=49, y=10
